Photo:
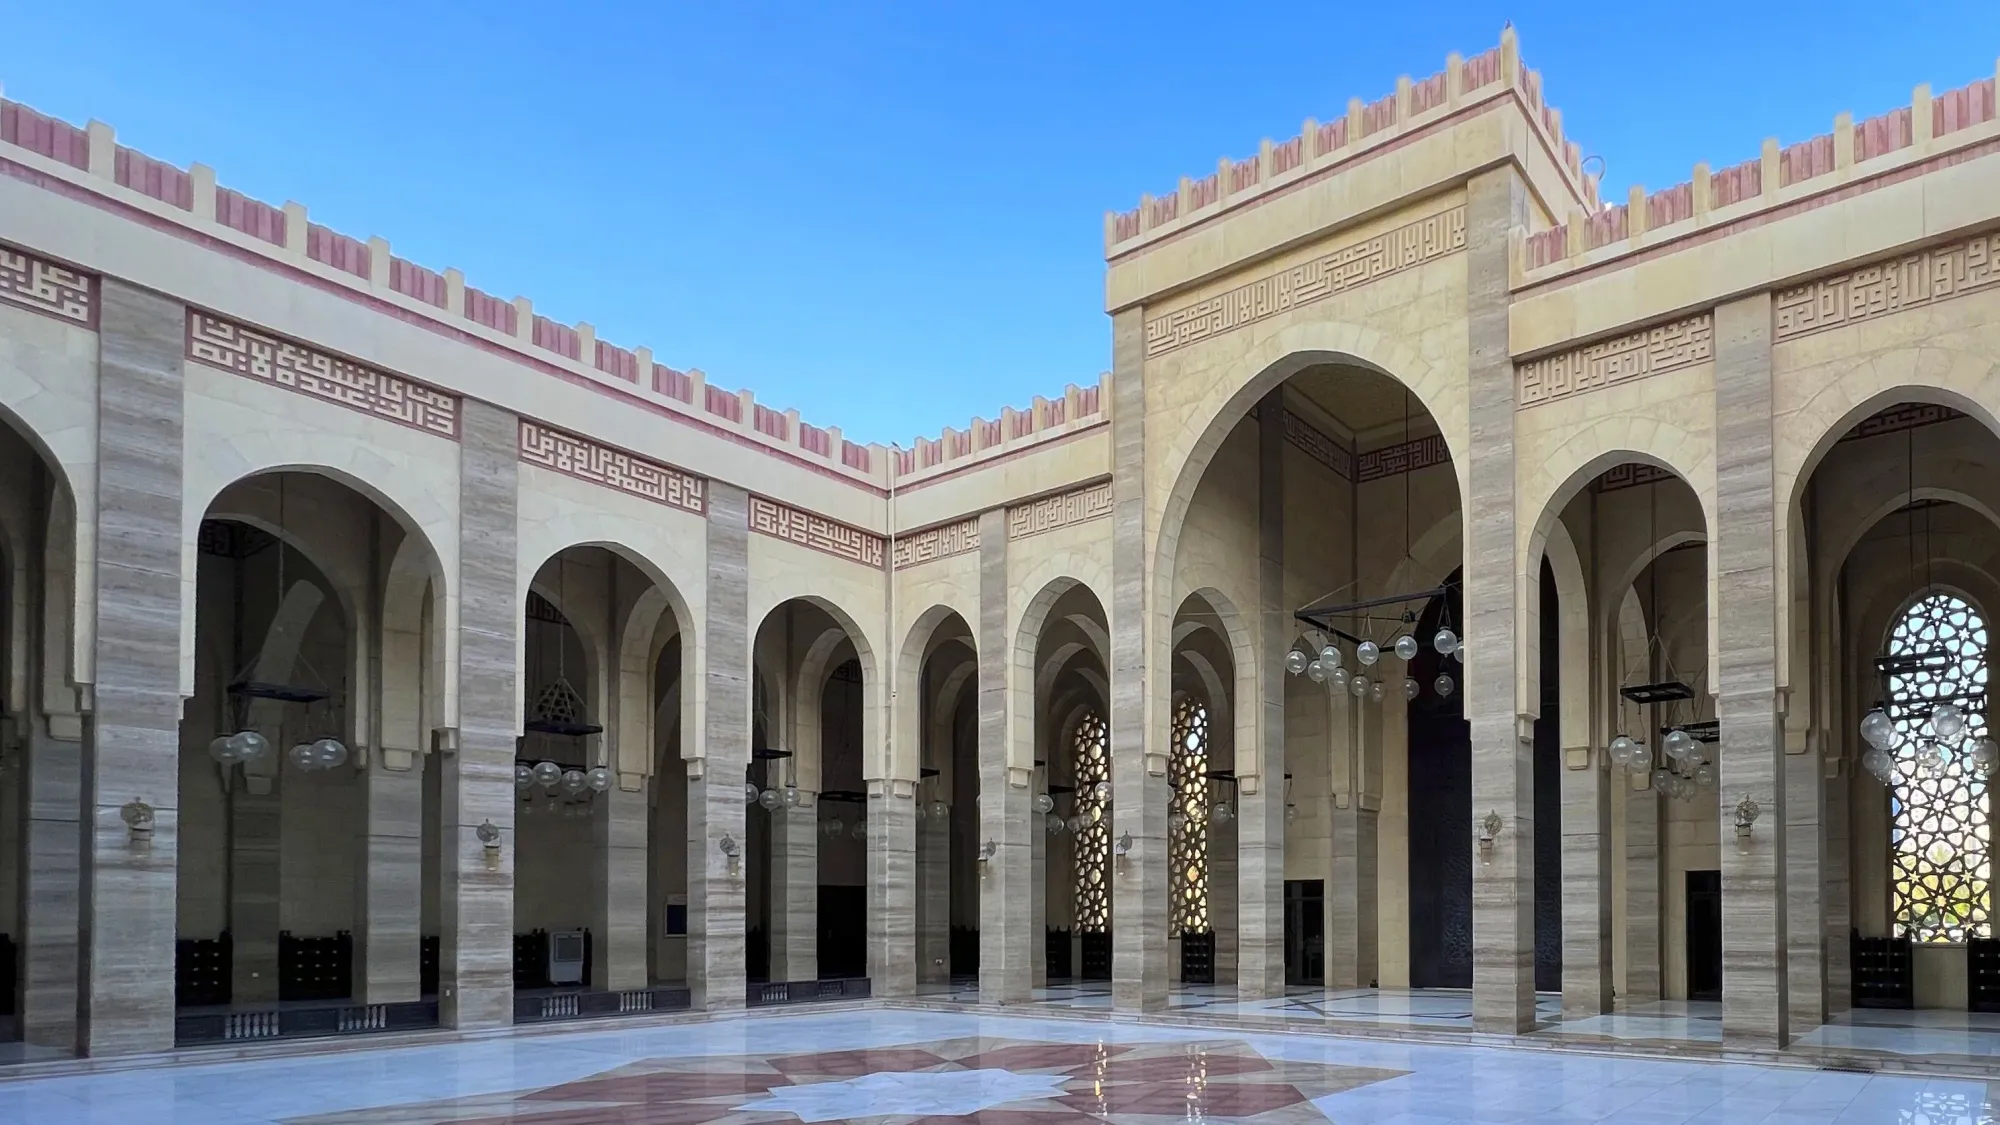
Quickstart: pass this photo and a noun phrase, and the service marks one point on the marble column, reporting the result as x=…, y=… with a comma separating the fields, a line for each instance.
x=51, y=779
x=1805, y=888
x=1642, y=890
x=1260, y=831
x=716, y=881
x=892, y=888
x=388, y=937
x=795, y=893
x=619, y=895
x=1586, y=875
x=1139, y=709
x=1038, y=899
x=1839, y=892
x=1351, y=954
x=1503, y=883
x=933, y=899
x=255, y=879
x=127, y=912
x=1754, y=944
x=476, y=782
x=1006, y=881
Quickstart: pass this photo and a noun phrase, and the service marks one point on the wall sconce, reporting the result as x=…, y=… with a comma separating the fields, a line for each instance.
x=489, y=838
x=987, y=851
x=1746, y=815
x=138, y=817
x=1488, y=830
x=1122, y=848
x=730, y=849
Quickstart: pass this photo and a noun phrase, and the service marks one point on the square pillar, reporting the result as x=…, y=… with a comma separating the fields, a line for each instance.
x=1503, y=882
x=1805, y=887
x=1839, y=918
x=1351, y=946
x=1586, y=879
x=1006, y=881
x=1260, y=829
x=716, y=882
x=933, y=899
x=126, y=916
x=255, y=820
x=476, y=782
x=388, y=939
x=1141, y=692
x=1755, y=999
x=1642, y=890
x=52, y=780
x=618, y=915
x=1038, y=899
x=795, y=892
x=892, y=888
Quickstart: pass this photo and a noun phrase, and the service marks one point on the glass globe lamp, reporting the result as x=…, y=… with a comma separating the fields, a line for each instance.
x=1337, y=678
x=1947, y=722
x=1878, y=762
x=1411, y=688
x=1985, y=755
x=548, y=775
x=1044, y=802
x=248, y=745
x=1704, y=775
x=1678, y=744
x=769, y=799
x=220, y=750
x=1661, y=778
x=1075, y=822
x=598, y=778
x=1367, y=652
x=939, y=810
x=1054, y=824
x=330, y=753
x=749, y=793
x=1375, y=691
x=301, y=755
x=1445, y=641
x=1103, y=792
x=1444, y=686
x=1622, y=748
x=860, y=830
x=1330, y=656
x=1406, y=647
x=1295, y=662
x=524, y=776
x=1316, y=672
x=1878, y=730
x=573, y=782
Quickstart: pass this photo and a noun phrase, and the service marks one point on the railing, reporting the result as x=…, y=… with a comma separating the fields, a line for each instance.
x=597, y=1004
x=774, y=993
x=302, y=1021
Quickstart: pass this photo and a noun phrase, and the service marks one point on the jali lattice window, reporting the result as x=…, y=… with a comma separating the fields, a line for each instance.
x=1187, y=823
x=1939, y=835
x=1092, y=749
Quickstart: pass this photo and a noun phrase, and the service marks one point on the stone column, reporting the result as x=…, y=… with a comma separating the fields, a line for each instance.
x=388, y=939
x=1642, y=890
x=476, y=787
x=1839, y=893
x=933, y=898
x=795, y=893
x=1754, y=945
x=619, y=895
x=1350, y=939
x=1139, y=709
x=715, y=782
x=1503, y=884
x=1805, y=887
x=1260, y=831
x=892, y=888
x=49, y=874
x=1006, y=955
x=255, y=864
x=132, y=742
x=1038, y=899
x=1586, y=875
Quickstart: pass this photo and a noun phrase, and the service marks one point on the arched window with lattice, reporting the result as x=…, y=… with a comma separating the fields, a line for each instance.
x=1940, y=838
x=1092, y=750
x=1187, y=824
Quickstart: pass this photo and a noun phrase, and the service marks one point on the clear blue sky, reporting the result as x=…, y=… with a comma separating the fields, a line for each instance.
x=889, y=215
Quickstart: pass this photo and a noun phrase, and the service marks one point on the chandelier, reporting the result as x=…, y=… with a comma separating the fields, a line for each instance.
x=1320, y=658
x=1682, y=768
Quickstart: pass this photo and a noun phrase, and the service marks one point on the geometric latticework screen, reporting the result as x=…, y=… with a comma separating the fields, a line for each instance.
x=1940, y=838
x=1093, y=838
x=1187, y=844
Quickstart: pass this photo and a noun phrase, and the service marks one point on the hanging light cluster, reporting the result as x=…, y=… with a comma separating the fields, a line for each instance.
x=1683, y=772
x=319, y=755
x=771, y=799
x=833, y=827
x=1089, y=804
x=572, y=789
x=1932, y=746
x=239, y=748
x=1329, y=666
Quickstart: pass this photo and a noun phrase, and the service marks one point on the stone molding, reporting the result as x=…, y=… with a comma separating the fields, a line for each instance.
x=1090, y=502
x=1907, y=281
x=795, y=525
x=1318, y=445
x=258, y=355
x=584, y=459
x=1336, y=271
x=1621, y=359
x=940, y=542
x=1402, y=457
x=42, y=286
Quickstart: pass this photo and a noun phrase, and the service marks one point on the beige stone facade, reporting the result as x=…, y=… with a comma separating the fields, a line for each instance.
x=1408, y=351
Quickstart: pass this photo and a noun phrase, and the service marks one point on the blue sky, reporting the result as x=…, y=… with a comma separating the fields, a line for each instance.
x=888, y=215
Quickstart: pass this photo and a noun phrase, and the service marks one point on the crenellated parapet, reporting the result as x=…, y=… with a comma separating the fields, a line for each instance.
x=369, y=268
x=1080, y=408
x=1905, y=140
x=1323, y=147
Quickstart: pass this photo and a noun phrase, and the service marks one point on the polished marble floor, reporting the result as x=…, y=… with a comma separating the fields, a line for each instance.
x=941, y=1066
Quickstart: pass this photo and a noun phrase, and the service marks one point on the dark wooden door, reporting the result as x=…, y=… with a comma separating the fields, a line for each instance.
x=1704, y=935
x=1305, y=931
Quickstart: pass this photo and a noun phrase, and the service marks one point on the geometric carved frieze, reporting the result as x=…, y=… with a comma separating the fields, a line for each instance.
x=1350, y=266
x=317, y=374
x=1652, y=351
x=1909, y=282
x=47, y=288
x=1314, y=443
x=1403, y=457
x=584, y=459
x=941, y=542
x=1050, y=512
x=795, y=525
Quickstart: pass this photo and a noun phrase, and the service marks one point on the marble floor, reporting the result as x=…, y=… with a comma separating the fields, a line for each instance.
x=941, y=1066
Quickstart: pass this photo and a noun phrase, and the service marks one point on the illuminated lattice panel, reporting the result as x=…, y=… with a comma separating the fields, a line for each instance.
x=1187, y=777
x=1940, y=835
x=1092, y=752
